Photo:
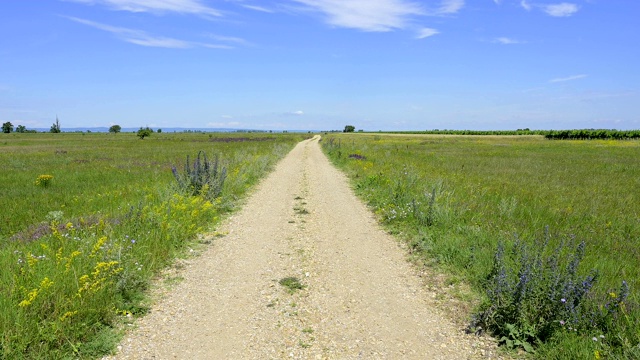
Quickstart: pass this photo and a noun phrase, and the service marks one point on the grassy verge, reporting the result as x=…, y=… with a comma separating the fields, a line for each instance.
x=79, y=247
x=456, y=198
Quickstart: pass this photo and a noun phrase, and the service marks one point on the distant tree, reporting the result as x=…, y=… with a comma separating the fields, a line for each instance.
x=159, y=131
x=143, y=133
x=21, y=129
x=7, y=127
x=115, y=129
x=349, y=128
x=55, y=128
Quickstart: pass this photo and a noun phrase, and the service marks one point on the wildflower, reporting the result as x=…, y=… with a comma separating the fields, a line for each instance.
x=563, y=300
x=594, y=338
x=30, y=297
x=562, y=322
x=67, y=315
x=98, y=245
x=46, y=283
x=44, y=180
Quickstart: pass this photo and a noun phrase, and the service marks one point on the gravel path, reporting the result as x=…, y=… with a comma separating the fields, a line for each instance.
x=361, y=298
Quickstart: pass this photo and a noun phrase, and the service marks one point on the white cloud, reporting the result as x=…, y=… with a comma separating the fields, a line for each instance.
x=223, y=125
x=525, y=5
x=229, y=39
x=163, y=42
x=506, y=41
x=368, y=15
x=450, y=6
x=569, y=78
x=561, y=10
x=142, y=38
x=136, y=36
x=426, y=32
x=297, y=113
x=258, y=8
x=215, y=46
x=156, y=6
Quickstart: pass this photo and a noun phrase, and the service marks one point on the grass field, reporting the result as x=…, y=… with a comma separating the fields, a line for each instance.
x=89, y=219
x=455, y=198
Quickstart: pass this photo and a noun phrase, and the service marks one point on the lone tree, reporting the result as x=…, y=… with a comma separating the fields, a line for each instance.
x=143, y=133
x=115, y=129
x=349, y=128
x=7, y=127
x=55, y=128
x=21, y=129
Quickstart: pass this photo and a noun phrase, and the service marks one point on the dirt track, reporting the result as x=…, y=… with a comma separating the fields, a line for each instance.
x=361, y=300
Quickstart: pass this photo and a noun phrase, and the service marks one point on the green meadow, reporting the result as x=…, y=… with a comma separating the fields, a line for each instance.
x=513, y=216
x=89, y=219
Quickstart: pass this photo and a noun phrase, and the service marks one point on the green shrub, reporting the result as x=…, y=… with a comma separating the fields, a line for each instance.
x=533, y=292
x=202, y=177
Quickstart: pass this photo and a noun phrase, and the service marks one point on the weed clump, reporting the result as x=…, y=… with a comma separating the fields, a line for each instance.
x=203, y=177
x=533, y=292
x=292, y=284
x=44, y=180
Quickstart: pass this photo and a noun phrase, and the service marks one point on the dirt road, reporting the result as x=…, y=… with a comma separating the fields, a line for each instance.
x=361, y=299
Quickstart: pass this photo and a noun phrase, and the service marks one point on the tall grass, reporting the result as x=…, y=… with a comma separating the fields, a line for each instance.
x=78, y=254
x=455, y=198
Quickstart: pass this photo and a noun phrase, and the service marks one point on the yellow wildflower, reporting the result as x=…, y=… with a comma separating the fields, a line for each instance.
x=45, y=283
x=67, y=315
x=44, y=180
x=98, y=245
x=30, y=298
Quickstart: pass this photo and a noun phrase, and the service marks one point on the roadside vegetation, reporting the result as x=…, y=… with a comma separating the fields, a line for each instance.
x=545, y=232
x=90, y=219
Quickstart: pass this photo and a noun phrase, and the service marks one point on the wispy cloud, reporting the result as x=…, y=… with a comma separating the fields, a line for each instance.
x=142, y=38
x=426, y=32
x=560, y=10
x=194, y=7
x=507, y=41
x=569, y=78
x=366, y=15
x=557, y=10
x=295, y=113
x=450, y=6
x=258, y=8
x=223, y=125
x=229, y=39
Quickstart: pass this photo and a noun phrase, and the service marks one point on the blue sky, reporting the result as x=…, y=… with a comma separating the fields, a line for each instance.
x=321, y=64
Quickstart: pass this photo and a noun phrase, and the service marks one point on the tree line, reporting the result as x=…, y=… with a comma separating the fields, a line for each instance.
x=576, y=134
